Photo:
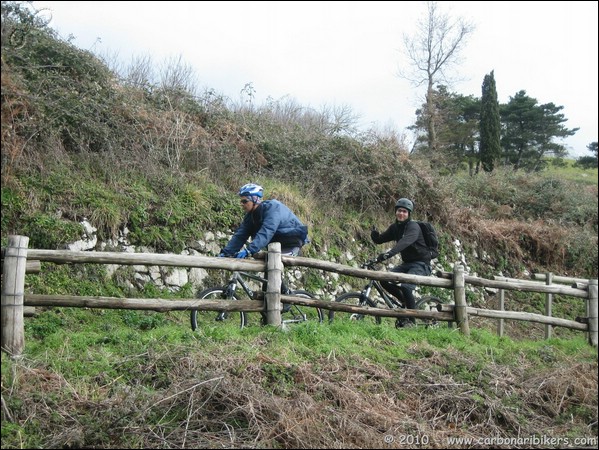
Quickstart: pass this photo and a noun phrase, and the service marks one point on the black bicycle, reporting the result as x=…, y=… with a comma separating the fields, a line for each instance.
x=290, y=313
x=373, y=294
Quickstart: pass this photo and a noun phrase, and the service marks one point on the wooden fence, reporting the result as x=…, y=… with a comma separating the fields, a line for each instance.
x=18, y=259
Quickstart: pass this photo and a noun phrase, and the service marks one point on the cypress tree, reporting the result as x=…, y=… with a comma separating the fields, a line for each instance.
x=490, y=147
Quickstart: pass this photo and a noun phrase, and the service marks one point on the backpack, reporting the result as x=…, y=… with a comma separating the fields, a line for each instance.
x=430, y=237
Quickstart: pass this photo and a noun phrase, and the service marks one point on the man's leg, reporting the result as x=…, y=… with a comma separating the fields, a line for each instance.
x=407, y=289
x=404, y=291
x=408, y=296
x=394, y=290
x=289, y=251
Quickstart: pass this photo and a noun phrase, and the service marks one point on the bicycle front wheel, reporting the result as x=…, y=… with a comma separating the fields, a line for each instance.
x=355, y=299
x=298, y=313
x=218, y=317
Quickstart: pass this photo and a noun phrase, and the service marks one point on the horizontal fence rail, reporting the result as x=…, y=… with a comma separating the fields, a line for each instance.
x=560, y=279
x=522, y=316
x=17, y=260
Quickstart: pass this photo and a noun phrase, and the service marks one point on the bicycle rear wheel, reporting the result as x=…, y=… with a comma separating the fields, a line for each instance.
x=355, y=299
x=298, y=313
x=215, y=317
x=428, y=303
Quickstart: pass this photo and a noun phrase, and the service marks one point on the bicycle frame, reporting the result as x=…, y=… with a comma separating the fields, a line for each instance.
x=239, y=278
x=240, y=282
x=365, y=297
x=390, y=301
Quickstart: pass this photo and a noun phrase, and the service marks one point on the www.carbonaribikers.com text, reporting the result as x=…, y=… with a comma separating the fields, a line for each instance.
x=557, y=442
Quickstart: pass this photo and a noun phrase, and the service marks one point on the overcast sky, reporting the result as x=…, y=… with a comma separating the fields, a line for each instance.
x=349, y=53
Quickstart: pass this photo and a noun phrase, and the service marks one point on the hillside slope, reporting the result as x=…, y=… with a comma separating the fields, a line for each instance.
x=159, y=163
x=155, y=385
x=152, y=155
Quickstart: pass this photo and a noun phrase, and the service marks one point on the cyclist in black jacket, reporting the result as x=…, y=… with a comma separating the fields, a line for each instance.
x=410, y=243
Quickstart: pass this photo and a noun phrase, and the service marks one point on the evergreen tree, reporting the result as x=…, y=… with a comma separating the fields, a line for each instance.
x=588, y=162
x=458, y=119
x=490, y=147
x=529, y=130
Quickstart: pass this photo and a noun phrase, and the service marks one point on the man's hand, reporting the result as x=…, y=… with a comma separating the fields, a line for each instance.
x=374, y=234
x=382, y=257
x=242, y=254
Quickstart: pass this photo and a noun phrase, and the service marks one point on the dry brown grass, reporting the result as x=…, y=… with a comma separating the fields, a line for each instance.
x=536, y=242
x=334, y=402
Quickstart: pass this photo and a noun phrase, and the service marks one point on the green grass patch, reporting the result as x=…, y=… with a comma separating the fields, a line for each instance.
x=569, y=171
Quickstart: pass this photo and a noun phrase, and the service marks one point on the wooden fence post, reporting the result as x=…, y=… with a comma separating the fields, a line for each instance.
x=548, y=305
x=501, y=308
x=592, y=308
x=459, y=295
x=13, y=292
x=272, y=298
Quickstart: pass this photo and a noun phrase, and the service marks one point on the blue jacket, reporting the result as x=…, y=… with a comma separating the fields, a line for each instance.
x=271, y=221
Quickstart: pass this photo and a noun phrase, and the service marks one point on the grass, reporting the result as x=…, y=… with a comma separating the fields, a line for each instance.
x=569, y=172
x=71, y=335
x=110, y=378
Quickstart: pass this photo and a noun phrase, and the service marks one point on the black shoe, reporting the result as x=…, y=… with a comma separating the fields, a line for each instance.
x=403, y=322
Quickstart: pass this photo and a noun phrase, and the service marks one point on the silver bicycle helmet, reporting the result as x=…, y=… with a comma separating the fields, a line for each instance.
x=404, y=203
x=250, y=189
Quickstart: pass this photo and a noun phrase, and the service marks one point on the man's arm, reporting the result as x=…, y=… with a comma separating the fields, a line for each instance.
x=410, y=236
x=271, y=218
x=239, y=238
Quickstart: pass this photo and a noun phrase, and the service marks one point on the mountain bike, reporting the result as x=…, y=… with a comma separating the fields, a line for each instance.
x=373, y=294
x=238, y=287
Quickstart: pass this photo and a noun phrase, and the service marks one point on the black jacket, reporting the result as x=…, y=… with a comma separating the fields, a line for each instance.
x=409, y=241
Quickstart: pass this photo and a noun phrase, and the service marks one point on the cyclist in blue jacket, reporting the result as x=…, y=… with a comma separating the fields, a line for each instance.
x=265, y=221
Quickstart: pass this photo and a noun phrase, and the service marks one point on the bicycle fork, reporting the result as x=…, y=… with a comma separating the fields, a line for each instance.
x=364, y=295
x=228, y=294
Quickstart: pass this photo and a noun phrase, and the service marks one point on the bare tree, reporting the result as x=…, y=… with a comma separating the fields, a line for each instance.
x=432, y=50
x=140, y=71
x=176, y=75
